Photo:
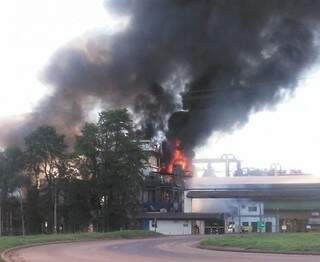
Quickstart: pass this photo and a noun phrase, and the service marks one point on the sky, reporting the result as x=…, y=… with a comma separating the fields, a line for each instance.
x=287, y=135
x=32, y=30
x=30, y=33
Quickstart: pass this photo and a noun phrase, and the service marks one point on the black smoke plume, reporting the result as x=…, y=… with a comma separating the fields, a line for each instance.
x=186, y=67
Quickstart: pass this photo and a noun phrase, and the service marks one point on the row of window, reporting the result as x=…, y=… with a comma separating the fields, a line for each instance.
x=250, y=208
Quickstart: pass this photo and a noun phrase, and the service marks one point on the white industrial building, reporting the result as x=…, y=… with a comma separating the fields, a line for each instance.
x=243, y=204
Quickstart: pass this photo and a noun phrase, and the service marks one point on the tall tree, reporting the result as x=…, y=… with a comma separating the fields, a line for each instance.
x=121, y=161
x=86, y=148
x=45, y=150
x=11, y=180
x=110, y=157
x=87, y=162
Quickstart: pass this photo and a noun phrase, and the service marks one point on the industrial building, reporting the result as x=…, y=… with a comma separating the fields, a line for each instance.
x=241, y=201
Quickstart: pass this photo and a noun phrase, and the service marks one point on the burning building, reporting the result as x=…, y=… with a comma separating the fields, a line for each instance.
x=164, y=184
x=184, y=69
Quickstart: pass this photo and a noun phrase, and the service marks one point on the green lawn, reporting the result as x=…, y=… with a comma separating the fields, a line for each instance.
x=272, y=242
x=13, y=241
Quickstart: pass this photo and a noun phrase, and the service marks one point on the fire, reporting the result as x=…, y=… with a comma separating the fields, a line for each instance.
x=178, y=158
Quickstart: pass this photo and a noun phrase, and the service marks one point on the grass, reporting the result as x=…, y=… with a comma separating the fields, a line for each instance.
x=13, y=241
x=280, y=242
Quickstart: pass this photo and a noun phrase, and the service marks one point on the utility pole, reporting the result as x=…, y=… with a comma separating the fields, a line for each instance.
x=0, y=212
x=55, y=208
x=22, y=213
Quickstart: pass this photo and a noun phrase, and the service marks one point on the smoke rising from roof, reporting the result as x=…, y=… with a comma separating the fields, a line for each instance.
x=185, y=67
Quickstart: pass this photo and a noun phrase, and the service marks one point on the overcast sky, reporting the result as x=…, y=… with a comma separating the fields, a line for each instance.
x=32, y=30
x=289, y=134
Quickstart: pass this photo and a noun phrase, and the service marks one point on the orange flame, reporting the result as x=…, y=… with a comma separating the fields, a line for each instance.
x=178, y=158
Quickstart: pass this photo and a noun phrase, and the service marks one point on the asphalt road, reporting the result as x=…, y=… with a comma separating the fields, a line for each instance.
x=152, y=250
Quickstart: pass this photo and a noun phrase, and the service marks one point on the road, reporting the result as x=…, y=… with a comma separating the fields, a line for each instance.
x=161, y=249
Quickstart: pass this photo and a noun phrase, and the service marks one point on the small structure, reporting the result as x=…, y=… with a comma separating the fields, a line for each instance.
x=183, y=223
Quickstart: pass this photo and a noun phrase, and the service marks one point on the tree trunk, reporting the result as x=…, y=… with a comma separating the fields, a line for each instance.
x=10, y=222
x=22, y=214
x=0, y=218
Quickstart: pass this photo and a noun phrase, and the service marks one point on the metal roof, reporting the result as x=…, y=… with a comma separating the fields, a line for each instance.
x=179, y=216
x=247, y=181
x=272, y=192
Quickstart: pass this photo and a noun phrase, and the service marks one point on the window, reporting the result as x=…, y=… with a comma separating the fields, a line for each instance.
x=252, y=209
x=245, y=224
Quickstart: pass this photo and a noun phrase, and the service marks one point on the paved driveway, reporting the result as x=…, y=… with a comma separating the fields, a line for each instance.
x=180, y=248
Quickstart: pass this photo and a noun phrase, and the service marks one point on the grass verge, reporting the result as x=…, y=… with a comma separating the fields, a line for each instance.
x=285, y=242
x=7, y=242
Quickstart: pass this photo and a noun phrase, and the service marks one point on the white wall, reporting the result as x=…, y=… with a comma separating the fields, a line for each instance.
x=201, y=225
x=244, y=207
x=187, y=203
x=172, y=227
x=238, y=222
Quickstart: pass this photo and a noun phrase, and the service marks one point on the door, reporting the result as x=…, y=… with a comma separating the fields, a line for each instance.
x=146, y=224
x=269, y=227
x=254, y=226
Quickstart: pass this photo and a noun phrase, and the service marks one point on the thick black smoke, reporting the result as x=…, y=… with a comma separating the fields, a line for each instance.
x=222, y=59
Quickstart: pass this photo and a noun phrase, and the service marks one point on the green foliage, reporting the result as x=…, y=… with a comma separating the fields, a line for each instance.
x=45, y=155
x=274, y=242
x=12, y=162
x=76, y=204
x=99, y=183
x=86, y=147
x=111, y=153
x=33, y=211
x=44, y=149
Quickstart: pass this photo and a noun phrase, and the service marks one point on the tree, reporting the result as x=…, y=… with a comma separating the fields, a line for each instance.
x=121, y=161
x=45, y=150
x=11, y=180
x=76, y=206
x=110, y=157
x=86, y=148
x=87, y=162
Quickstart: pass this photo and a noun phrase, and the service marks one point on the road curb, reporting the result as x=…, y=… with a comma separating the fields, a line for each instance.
x=243, y=250
x=5, y=252
x=12, y=249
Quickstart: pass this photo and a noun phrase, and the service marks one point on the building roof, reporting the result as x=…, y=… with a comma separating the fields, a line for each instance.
x=273, y=188
x=223, y=182
x=179, y=216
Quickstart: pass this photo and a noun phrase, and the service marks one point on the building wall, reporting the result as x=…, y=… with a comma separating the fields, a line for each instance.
x=239, y=222
x=187, y=203
x=250, y=208
x=201, y=226
x=172, y=227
